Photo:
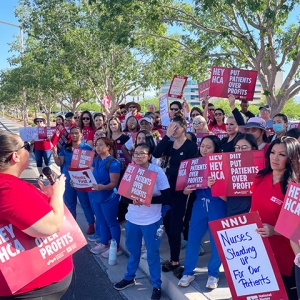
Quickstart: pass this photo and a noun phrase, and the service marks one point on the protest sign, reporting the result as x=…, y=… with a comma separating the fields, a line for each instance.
x=28, y=134
x=82, y=158
x=24, y=258
x=192, y=172
x=121, y=156
x=137, y=184
x=294, y=125
x=249, y=263
x=290, y=213
x=60, y=137
x=203, y=89
x=45, y=132
x=164, y=108
x=200, y=136
x=240, y=83
x=234, y=171
x=83, y=179
x=177, y=86
x=106, y=101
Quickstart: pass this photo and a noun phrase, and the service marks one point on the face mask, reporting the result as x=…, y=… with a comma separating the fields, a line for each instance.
x=278, y=127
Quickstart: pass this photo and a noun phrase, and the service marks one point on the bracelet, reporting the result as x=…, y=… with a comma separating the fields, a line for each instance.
x=296, y=261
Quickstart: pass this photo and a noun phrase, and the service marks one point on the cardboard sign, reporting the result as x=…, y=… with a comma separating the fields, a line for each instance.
x=200, y=136
x=82, y=158
x=290, y=211
x=24, y=258
x=203, y=89
x=192, y=172
x=28, y=134
x=177, y=86
x=164, y=108
x=249, y=263
x=83, y=179
x=234, y=172
x=45, y=132
x=137, y=184
x=240, y=83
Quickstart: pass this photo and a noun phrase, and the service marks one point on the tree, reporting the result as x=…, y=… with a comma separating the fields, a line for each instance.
x=236, y=33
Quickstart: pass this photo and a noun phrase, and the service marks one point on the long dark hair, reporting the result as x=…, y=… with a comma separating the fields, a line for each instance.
x=215, y=121
x=92, y=124
x=111, y=144
x=69, y=145
x=148, y=139
x=216, y=141
x=126, y=125
x=293, y=151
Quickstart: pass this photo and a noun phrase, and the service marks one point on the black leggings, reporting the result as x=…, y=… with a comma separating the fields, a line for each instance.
x=188, y=215
x=290, y=285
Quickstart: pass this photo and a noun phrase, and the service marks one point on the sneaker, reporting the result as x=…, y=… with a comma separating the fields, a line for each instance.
x=144, y=255
x=99, y=248
x=91, y=229
x=123, y=284
x=186, y=280
x=94, y=237
x=105, y=254
x=212, y=282
x=183, y=244
x=156, y=294
x=41, y=177
x=201, y=251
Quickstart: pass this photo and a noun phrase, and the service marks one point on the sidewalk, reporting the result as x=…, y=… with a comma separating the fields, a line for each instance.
x=197, y=289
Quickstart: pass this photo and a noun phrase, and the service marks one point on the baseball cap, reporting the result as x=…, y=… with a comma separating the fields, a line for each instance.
x=267, y=107
x=146, y=119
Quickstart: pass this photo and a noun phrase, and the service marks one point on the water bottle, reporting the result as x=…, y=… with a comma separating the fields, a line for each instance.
x=112, y=253
x=159, y=232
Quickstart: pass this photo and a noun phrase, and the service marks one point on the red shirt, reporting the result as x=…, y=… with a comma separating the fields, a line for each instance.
x=22, y=204
x=267, y=199
x=88, y=133
x=42, y=145
x=216, y=129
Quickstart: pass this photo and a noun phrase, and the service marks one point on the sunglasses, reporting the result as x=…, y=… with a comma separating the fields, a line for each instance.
x=197, y=122
x=99, y=135
x=85, y=118
x=212, y=109
x=123, y=112
x=264, y=110
x=132, y=106
x=176, y=109
x=76, y=118
x=39, y=121
x=26, y=146
x=195, y=115
x=218, y=114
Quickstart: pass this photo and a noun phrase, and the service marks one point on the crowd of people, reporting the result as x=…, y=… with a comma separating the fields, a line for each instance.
x=128, y=136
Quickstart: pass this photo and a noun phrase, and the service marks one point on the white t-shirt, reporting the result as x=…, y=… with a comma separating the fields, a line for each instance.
x=142, y=214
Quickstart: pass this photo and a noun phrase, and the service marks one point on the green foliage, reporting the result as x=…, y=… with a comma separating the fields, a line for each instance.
x=90, y=107
x=145, y=102
x=292, y=109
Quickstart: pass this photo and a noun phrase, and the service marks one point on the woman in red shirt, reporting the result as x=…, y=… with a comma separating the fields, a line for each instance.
x=218, y=126
x=36, y=213
x=268, y=193
x=86, y=123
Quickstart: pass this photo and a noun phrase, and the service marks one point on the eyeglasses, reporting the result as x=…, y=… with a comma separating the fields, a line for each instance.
x=172, y=108
x=241, y=148
x=86, y=118
x=123, y=112
x=197, y=122
x=218, y=114
x=264, y=110
x=195, y=115
x=141, y=154
x=132, y=106
x=211, y=109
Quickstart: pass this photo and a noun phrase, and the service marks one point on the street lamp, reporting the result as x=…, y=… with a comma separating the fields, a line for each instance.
x=22, y=55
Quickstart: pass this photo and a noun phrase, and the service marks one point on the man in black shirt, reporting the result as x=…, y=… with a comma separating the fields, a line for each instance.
x=244, y=109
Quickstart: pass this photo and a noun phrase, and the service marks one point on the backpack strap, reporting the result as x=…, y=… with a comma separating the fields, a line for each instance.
x=108, y=163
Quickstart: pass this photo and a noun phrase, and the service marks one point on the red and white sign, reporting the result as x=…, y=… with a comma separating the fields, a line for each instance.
x=249, y=263
x=290, y=211
x=294, y=125
x=83, y=179
x=234, y=172
x=82, y=158
x=24, y=258
x=200, y=136
x=45, y=132
x=164, y=108
x=60, y=137
x=138, y=184
x=238, y=82
x=106, y=101
x=177, y=86
x=203, y=89
x=192, y=172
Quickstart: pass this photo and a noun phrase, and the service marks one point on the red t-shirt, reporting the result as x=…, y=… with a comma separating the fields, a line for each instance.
x=22, y=204
x=88, y=133
x=216, y=129
x=267, y=199
x=42, y=145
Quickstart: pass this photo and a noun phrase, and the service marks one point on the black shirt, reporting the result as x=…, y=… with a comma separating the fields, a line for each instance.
x=248, y=115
